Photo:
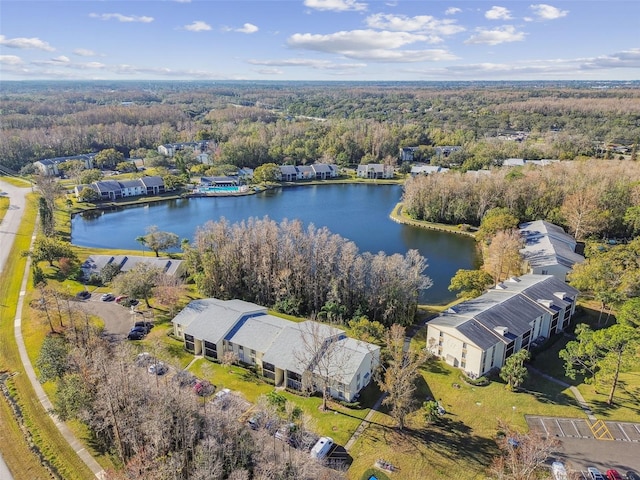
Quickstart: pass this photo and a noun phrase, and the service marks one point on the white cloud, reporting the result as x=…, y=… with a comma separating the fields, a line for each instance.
x=421, y=23
x=308, y=63
x=498, y=13
x=26, y=43
x=121, y=18
x=452, y=10
x=496, y=36
x=624, y=59
x=378, y=46
x=547, y=12
x=61, y=59
x=198, y=26
x=10, y=60
x=247, y=28
x=353, y=40
x=83, y=52
x=335, y=5
x=183, y=1
x=270, y=71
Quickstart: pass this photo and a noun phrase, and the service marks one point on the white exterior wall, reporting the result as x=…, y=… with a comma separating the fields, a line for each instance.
x=558, y=271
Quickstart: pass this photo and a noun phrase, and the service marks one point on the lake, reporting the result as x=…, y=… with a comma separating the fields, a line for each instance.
x=357, y=212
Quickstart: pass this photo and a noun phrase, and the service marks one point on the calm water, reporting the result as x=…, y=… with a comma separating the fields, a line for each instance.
x=357, y=212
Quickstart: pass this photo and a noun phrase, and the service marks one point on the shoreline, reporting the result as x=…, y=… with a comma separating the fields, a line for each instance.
x=398, y=216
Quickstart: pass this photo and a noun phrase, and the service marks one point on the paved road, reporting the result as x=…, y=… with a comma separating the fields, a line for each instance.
x=11, y=221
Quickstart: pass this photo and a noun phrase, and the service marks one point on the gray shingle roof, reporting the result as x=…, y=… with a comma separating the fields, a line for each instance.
x=95, y=263
x=513, y=304
x=547, y=244
x=258, y=333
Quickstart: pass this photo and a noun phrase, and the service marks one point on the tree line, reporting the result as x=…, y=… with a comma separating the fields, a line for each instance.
x=279, y=123
x=304, y=271
x=587, y=198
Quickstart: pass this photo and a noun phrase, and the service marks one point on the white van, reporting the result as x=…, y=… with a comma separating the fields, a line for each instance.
x=322, y=447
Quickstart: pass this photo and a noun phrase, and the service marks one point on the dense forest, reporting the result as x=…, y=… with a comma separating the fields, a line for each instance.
x=347, y=123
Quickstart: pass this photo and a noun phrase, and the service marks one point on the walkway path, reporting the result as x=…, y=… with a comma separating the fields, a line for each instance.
x=9, y=231
x=576, y=393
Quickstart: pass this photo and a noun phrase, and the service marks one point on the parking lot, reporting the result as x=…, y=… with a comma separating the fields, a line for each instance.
x=618, y=448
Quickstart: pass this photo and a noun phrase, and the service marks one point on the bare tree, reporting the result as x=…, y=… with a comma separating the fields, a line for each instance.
x=522, y=455
x=503, y=258
x=398, y=374
x=322, y=356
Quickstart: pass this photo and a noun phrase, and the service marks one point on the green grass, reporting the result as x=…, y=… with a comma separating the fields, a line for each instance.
x=398, y=215
x=461, y=444
x=45, y=434
x=4, y=206
x=17, y=182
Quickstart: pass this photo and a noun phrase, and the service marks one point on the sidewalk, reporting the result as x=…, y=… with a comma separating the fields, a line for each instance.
x=576, y=393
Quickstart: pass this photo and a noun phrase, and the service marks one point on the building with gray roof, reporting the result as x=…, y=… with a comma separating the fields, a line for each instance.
x=51, y=166
x=282, y=350
x=548, y=250
x=94, y=264
x=478, y=335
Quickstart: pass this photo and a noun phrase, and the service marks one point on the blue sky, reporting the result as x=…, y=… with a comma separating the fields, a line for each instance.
x=319, y=40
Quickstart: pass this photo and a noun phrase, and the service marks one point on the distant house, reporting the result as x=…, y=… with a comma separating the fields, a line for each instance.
x=170, y=149
x=50, y=167
x=94, y=264
x=245, y=173
x=520, y=162
x=427, y=170
x=316, y=171
x=274, y=346
x=447, y=150
x=407, y=154
x=288, y=173
x=548, y=250
x=222, y=181
x=478, y=335
x=114, y=189
x=375, y=171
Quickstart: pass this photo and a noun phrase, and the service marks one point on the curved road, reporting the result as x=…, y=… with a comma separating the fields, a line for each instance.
x=8, y=231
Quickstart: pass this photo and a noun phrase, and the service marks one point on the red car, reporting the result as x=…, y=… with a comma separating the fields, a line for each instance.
x=613, y=475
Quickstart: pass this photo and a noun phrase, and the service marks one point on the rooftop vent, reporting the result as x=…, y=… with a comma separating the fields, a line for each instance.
x=546, y=303
x=502, y=330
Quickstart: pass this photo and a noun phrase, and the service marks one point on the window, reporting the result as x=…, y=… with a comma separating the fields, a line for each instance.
x=493, y=356
x=464, y=346
x=554, y=322
x=464, y=354
x=189, y=343
x=210, y=350
x=463, y=364
x=510, y=349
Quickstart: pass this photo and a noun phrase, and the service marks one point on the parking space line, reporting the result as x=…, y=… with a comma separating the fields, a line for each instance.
x=560, y=428
x=621, y=427
x=544, y=426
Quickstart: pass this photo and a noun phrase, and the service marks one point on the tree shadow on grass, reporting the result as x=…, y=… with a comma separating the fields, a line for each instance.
x=452, y=438
x=545, y=391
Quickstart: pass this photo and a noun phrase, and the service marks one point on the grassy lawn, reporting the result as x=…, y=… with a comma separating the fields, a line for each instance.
x=17, y=182
x=44, y=432
x=4, y=206
x=461, y=444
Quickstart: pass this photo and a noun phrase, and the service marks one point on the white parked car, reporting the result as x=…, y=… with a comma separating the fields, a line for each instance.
x=322, y=447
x=559, y=471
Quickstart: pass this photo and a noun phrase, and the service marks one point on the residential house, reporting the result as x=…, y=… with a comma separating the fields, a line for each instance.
x=50, y=167
x=446, y=150
x=275, y=346
x=407, y=154
x=170, y=149
x=324, y=171
x=548, y=250
x=375, y=170
x=114, y=189
x=288, y=173
x=94, y=264
x=427, y=170
x=478, y=335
